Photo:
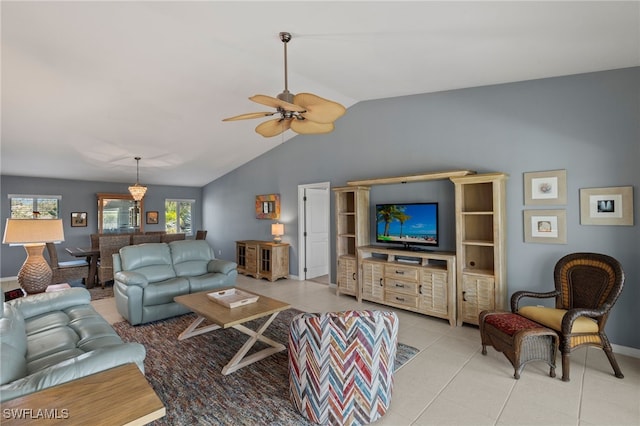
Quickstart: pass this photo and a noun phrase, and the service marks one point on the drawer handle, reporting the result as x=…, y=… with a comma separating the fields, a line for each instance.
x=400, y=285
x=464, y=293
x=381, y=282
x=354, y=276
x=401, y=299
x=400, y=272
x=420, y=289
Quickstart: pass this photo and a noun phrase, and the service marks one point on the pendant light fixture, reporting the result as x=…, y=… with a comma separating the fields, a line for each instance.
x=137, y=191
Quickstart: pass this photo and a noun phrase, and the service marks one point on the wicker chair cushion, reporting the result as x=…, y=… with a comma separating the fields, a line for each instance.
x=552, y=318
x=510, y=323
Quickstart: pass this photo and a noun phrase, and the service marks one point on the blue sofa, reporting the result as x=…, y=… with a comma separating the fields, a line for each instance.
x=52, y=338
x=148, y=276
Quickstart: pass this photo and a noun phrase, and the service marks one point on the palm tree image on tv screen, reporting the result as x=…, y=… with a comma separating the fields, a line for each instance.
x=408, y=224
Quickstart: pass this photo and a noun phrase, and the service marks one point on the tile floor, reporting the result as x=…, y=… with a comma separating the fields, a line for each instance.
x=451, y=383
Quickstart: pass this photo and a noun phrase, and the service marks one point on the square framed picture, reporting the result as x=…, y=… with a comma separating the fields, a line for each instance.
x=268, y=206
x=545, y=188
x=152, y=218
x=606, y=206
x=78, y=219
x=545, y=226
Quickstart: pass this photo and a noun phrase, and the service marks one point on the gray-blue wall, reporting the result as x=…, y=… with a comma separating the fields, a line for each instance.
x=587, y=124
x=80, y=196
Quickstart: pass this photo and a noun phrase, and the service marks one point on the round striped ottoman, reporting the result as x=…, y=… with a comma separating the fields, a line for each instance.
x=341, y=365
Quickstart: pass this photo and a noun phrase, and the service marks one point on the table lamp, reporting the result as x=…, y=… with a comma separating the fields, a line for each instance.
x=277, y=230
x=35, y=274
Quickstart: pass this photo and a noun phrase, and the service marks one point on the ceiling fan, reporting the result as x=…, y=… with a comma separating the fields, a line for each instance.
x=303, y=113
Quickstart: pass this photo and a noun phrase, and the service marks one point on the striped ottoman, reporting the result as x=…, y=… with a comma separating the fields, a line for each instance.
x=341, y=365
x=520, y=339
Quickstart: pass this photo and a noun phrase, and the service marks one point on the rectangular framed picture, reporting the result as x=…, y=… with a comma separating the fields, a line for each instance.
x=545, y=226
x=545, y=188
x=606, y=206
x=78, y=218
x=152, y=218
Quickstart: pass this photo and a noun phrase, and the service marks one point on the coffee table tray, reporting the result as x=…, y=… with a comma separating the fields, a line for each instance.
x=232, y=298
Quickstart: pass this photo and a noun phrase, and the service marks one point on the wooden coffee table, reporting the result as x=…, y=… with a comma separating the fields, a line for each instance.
x=223, y=317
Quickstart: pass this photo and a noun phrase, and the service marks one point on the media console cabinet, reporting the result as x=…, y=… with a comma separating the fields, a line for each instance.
x=419, y=281
x=454, y=286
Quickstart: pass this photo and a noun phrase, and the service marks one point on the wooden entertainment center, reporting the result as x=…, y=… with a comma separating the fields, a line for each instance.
x=454, y=286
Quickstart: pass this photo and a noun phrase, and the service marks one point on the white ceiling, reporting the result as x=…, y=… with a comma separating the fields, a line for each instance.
x=86, y=86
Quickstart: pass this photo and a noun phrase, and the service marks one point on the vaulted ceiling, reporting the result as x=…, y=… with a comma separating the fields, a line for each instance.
x=87, y=86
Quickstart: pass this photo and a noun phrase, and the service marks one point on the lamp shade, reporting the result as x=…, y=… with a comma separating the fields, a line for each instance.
x=277, y=229
x=30, y=231
x=137, y=191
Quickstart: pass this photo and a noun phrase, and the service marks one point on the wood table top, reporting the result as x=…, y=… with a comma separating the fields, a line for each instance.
x=228, y=317
x=118, y=396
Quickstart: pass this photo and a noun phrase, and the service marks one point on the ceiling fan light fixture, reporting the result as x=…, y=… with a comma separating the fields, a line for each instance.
x=304, y=113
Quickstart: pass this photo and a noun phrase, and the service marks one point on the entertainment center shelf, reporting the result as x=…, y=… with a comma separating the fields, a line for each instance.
x=454, y=286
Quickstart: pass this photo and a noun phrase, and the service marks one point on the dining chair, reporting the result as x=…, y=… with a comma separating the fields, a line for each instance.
x=145, y=238
x=167, y=238
x=201, y=234
x=109, y=245
x=66, y=271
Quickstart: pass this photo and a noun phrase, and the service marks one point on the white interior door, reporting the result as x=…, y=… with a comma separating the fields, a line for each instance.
x=314, y=230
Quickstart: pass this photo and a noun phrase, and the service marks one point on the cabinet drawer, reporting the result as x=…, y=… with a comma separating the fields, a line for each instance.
x=401, y=299
x=407, y=273
x=400, y=286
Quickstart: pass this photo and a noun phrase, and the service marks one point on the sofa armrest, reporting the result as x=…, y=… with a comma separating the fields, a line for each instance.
x=222, y=266
x=75, y=368
x=41, y=303
x=131, y=278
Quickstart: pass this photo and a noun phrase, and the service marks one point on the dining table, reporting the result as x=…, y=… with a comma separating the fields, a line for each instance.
x=92, y=255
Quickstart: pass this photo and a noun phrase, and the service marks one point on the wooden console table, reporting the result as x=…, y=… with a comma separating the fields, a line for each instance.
x=263, y=259
x=119, y=396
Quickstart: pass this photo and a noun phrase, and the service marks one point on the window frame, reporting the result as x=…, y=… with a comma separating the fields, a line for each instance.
x=191, y=202
x=36, y=200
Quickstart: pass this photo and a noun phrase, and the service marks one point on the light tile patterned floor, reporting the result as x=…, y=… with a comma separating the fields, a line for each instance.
x=451, y=383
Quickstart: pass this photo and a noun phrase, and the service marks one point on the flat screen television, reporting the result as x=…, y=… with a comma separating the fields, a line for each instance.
x=410, y=224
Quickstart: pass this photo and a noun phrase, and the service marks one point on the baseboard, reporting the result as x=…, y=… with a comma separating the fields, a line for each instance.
x=626, y=350
x=8, y=279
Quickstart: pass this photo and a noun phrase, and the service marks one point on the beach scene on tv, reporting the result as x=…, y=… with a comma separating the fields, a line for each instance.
x=407, y=223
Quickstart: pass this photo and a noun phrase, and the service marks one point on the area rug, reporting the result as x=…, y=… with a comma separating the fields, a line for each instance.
x=187, y=376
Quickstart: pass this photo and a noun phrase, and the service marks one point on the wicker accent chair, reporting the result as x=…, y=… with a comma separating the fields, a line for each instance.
x=201, y=235
x=145, y=238
x=109, y=245
x=167, y=238
x=587, y=287
x=66, y=271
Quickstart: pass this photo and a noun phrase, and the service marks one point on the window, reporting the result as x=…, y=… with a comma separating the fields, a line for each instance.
x=35, y=206
x=178, y=216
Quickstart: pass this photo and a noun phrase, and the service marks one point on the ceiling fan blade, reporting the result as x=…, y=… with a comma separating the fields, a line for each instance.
x=319, y=109
x=249, y=115
x=275, y=103
x=306, y=127
x=273, y=127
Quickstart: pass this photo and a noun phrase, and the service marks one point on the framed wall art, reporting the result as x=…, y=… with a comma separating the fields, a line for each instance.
x=606, y=206
x=268, y=206
x=152, y=218
x=545, y=188
x=78, y=218
x=545, y=226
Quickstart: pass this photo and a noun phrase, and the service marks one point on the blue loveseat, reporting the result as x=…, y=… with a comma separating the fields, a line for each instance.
x=52, y=338
x=148, y=276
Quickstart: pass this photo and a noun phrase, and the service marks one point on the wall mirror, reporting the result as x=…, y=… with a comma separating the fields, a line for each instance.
x=119, y=214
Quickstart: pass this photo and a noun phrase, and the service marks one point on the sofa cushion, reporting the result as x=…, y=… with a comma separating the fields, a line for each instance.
x=190, y=257
x=164, y=292
x=208, y=282
x=153, y=260
x=13, y=345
